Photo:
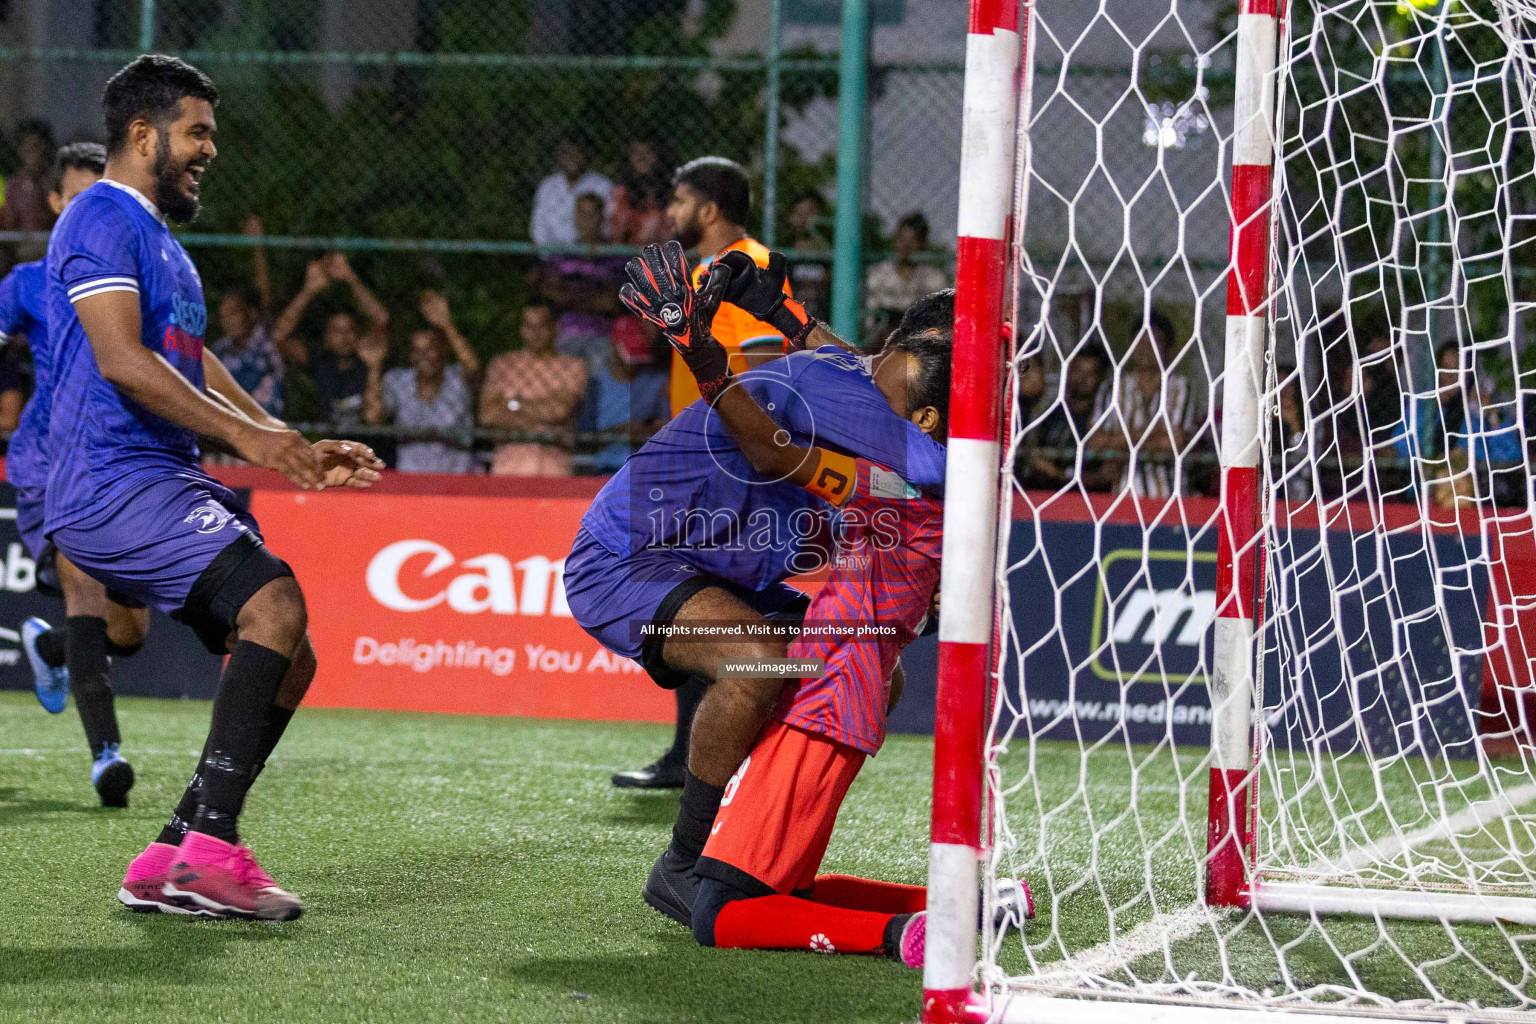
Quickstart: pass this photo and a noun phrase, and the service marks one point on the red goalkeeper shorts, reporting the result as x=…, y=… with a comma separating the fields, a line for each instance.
x=778, y=811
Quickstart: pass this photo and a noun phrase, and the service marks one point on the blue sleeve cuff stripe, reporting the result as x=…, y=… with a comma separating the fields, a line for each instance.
x=118, y=281
x=102, y=289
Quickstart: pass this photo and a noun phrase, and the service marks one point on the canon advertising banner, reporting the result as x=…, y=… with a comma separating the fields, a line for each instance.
x=449, y=603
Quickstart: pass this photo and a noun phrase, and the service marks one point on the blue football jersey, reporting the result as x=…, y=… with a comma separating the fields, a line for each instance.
x=690, y=489
x=23, y=310
x=105, y=445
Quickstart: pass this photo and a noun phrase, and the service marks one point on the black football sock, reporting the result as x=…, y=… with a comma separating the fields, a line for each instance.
x=117, y=650
x=175, y=830
x=236, y=740
x=51, y=645
x=86, y=655
x=891, y=940
x=695, y=815
x=272, y=729
x=186, y=809
x=688, y=697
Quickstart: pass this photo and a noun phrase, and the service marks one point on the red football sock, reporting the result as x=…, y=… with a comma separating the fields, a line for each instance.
x=786, y=922
x=868, y=894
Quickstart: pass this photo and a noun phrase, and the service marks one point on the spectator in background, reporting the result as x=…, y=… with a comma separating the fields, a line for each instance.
x=585, y=286
x=536, y=389
x=245, y=346
x=432, y=395
x=554, y=204
x=1151, y=417
x=247, y=350
x=25, y=206
x=1456, y=427
x=1381, y=390
x=340, y=376
x=1296, y=476
x=637, y=209
x=894, y=284
x=1051, y=449
x=811, y=279
x=630, y=391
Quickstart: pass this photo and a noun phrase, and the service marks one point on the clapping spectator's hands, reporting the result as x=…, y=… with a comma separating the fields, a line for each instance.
x=315, y=277
x=434, y=309
x=373, y=349
x=338, y=269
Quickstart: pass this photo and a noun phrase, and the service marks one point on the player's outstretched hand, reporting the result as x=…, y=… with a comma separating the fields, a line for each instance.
x=348, y=464
x=760, y=291
x=661, y=292
x=285, y=451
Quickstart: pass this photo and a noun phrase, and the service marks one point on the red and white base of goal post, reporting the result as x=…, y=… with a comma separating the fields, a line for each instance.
x=1230, y=835
x=993, y=77
x=970, y=518
x=1238, y=870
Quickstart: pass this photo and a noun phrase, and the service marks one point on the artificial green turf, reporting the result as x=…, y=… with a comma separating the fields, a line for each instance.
x=463, y=868
x=454, y=868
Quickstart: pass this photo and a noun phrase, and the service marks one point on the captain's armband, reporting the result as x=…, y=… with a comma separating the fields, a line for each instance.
x=835, y=477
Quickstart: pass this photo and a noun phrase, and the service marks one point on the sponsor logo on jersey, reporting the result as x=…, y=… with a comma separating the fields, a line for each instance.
x=885, y=484
x=191, y=317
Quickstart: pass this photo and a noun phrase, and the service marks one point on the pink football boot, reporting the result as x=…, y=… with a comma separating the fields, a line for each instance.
x=224, y=880
x=141, y=889
x=913, y=941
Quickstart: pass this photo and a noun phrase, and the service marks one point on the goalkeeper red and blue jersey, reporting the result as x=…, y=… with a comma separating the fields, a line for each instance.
x=691, y=493
x=871, y=607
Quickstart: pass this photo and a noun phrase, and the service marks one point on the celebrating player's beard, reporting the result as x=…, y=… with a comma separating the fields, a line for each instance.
x=177, y=204
x=689, y=234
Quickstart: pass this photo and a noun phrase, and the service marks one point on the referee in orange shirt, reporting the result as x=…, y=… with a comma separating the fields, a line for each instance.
x=711, y=202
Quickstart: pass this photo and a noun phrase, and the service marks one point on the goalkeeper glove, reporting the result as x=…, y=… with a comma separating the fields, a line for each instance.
x=661, y=292
x=760, y=291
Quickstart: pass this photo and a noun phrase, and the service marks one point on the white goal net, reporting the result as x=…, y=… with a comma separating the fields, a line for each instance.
x=1262, y=734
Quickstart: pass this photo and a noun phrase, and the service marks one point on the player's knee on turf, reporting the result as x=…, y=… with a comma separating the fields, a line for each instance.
x=712, y=897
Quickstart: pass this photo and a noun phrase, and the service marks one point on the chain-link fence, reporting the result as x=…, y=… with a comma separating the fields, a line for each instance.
x=413, y=134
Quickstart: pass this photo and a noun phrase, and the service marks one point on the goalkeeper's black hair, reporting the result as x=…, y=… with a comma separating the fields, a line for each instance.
x=78, y=156
x=152, y=86
x=934, y=311
x=927, y=331
x=720, y=181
